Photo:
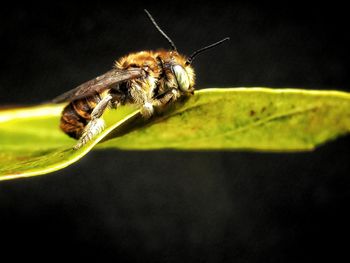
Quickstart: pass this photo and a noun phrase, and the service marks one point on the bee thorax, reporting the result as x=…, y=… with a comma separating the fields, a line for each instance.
x=141, y=90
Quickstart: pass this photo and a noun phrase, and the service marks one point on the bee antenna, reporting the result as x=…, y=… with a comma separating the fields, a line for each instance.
x=160, y=30
x=194, y=54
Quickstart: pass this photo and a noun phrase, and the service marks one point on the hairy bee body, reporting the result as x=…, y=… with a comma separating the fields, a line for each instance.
x=159, y=75
x=160, y=81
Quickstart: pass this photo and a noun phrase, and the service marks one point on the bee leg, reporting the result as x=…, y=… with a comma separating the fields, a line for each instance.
x=147, y=110
x=167, y=97
x=96, y=124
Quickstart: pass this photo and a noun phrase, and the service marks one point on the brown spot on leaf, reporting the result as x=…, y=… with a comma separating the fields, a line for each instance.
x=252, y=113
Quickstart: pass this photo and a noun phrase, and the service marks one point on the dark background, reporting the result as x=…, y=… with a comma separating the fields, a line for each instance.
x=171, y=206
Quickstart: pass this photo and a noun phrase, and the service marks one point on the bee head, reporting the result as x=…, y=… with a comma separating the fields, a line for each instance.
x=181, y=68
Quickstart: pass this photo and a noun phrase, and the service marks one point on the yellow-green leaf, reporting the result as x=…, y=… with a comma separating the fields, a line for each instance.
x=257, y=119
x=31, y=142
x=246, y=118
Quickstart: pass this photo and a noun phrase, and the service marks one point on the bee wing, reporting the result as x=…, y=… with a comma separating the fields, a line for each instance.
x=99, y=84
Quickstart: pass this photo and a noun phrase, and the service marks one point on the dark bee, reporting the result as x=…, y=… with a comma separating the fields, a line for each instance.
x=147, y=78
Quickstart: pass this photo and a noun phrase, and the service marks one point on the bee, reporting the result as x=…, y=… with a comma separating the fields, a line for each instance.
x=147, y=78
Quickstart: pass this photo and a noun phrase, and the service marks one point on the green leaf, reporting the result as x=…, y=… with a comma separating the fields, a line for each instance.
x=31, y=142
x=256, y=119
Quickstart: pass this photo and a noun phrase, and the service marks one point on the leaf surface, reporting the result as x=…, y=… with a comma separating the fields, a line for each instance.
x=258, y=119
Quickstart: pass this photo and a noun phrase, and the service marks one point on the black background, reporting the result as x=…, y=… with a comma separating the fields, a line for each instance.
x=170, y=206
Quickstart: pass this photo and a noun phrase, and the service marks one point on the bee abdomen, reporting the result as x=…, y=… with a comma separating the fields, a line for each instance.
x=77, y=114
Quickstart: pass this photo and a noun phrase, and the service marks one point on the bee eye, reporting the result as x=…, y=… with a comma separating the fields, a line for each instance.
x=181, y=78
